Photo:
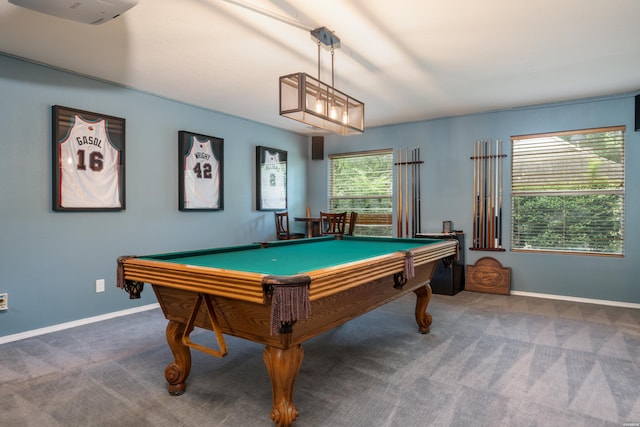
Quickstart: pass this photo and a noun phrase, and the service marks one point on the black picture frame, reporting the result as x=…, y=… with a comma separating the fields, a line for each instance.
x=271, y=179
x=88, y=161
x=200, y=172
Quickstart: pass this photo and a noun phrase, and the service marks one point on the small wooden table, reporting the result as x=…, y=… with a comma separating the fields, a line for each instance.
x=313, y=225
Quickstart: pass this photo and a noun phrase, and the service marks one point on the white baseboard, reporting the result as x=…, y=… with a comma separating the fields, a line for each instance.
x=73, y=324
x=577, y=299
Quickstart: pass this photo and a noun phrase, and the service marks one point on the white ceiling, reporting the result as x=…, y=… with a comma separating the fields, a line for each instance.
x=407, y=60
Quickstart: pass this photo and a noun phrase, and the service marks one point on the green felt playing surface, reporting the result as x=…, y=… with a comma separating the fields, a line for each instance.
x=293, y=257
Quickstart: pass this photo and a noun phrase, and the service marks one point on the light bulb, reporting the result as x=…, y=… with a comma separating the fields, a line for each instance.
x=332, y=113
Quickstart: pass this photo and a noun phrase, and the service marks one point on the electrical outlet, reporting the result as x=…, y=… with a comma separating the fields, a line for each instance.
x=4, y=301
x=100, y=285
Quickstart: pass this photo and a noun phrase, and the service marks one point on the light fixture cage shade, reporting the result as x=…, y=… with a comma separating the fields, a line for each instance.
x=318, y=104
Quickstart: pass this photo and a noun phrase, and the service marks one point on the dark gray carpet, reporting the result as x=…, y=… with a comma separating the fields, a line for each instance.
x=490, y=360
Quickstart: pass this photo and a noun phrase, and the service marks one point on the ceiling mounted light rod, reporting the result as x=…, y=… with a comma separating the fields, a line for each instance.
x=319, y=60
x=313, y=102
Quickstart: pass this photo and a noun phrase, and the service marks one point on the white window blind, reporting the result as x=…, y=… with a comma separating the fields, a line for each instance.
x=363, y=182
x=568, y=191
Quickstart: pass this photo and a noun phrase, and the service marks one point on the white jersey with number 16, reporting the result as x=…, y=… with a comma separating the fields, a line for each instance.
x=89, y=166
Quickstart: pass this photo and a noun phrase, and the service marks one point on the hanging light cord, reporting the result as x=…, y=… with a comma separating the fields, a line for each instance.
x=332, y=83
x=332, y=56
x=318, y=59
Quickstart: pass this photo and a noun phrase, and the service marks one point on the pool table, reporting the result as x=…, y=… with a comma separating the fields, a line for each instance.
x=280, y=294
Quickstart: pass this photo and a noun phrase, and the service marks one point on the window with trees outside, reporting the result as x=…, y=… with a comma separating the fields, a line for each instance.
x=568, y=191
x=363, y=182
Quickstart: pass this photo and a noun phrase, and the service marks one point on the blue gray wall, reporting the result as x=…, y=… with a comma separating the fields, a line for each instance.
x=49, y=261
x=447, y=183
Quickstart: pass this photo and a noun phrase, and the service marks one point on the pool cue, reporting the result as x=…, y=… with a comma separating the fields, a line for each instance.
x=500, y=201
x=406, y=190
x=399, y=194
x=494, y=218
x=419, y=194
x=494, y=201
x=401, y=218
x=401, y=197
x=477, y=195
x=417, y=210
x=405, y=196
x=491, y=195
x=497, y=206
x=410, y=190
x=413, y=192
x=491, y=205
x=411, y=202
x=481, y=194
x=475, y=202
x=485, y=200
x=487, y=194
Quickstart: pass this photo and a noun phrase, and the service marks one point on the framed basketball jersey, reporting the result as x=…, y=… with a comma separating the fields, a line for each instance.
x=200, y=172
x=88, y=160
x=271, y=176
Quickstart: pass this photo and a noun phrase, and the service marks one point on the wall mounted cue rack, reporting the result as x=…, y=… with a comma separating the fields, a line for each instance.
x=487, y=195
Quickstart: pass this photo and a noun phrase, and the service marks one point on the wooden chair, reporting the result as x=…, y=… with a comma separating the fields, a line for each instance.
x=352, y=223
x=332, y=223
x=282, y=227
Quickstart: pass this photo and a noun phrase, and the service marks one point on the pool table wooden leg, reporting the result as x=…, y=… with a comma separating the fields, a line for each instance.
x=283, y=366
x=177, y=371
x=423, y=318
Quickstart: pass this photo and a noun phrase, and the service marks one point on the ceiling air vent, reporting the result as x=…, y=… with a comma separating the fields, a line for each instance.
x=93, y=12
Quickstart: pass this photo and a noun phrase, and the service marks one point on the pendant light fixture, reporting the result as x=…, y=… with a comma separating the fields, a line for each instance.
x=311, y=101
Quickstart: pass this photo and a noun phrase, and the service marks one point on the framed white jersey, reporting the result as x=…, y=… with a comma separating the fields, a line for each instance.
x=88, y=161
x=200, y=172
x=271, y=175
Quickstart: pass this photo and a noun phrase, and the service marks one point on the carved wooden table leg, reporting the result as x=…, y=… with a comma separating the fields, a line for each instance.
x=423, y=318
x=283, y=367
x=177, y=371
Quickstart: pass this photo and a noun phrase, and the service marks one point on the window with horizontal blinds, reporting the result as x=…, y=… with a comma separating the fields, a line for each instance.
x=362, y=182
x=567, y=191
